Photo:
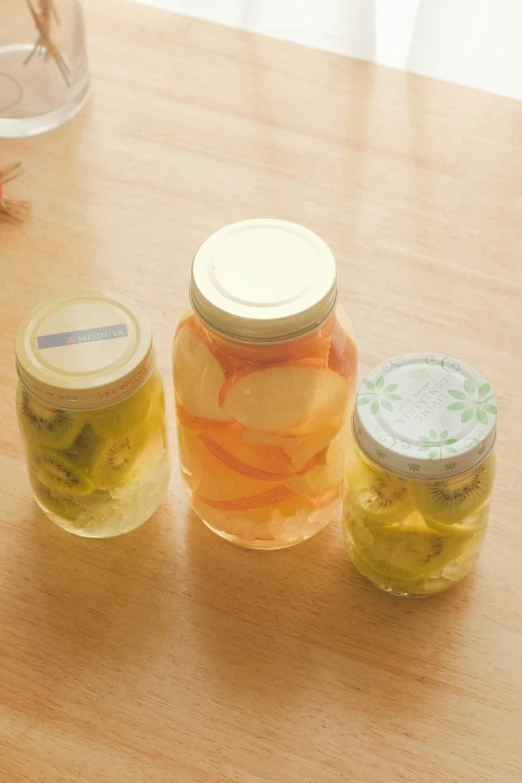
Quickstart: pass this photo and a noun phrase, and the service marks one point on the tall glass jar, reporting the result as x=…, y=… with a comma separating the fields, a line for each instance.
x=91, y=410
x=420, y=473
x=264, y=372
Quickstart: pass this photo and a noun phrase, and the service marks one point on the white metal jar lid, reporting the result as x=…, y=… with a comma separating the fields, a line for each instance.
x=263, y=281
x=84, y=349
x=425, y=416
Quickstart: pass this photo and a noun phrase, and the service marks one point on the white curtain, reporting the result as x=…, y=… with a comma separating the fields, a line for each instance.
x=473, y=42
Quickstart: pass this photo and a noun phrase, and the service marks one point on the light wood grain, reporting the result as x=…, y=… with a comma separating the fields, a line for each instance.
x=168, y=655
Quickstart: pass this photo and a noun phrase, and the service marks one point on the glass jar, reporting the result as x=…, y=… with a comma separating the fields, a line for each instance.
x=91, y=410
x=420, y=473
x=44, y=75
x=264, y=373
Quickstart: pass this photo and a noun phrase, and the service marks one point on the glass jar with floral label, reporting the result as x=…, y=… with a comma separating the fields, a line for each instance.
x=420, y=473
x=264, y=373
x=91, y=411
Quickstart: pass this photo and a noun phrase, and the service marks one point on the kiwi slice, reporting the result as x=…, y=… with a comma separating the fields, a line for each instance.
x=59, y=473
x=84, y=448
x=407, y=554
x=380, y=497
x=116, y=458
x=62, y=505
x=452, y=500
x=387, y=583
x=43, y=426
x=124, y=416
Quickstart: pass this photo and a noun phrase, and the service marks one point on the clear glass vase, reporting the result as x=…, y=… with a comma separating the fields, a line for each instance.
x=44, y=75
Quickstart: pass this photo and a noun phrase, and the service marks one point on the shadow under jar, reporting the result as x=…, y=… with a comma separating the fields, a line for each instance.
x=265, y=368
x=91, y=410
x=420, y=474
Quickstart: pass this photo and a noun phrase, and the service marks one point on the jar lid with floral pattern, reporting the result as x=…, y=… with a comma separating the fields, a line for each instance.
x=425, y=416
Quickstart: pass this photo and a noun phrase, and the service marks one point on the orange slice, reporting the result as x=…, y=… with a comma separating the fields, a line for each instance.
x=300, y=450
x=263, y=461
x=196, y=422
x=269, y=498
x=207, y=475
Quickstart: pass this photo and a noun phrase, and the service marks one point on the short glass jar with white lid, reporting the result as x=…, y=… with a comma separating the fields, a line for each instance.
x=91, y=410
x=421, y=468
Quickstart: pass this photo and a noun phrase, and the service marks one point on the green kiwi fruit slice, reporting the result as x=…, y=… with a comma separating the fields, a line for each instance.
x=116, y=420
x=387, y=583
x=59, y=473
x=452, y=500
x=84, y=448
x=380, y=497
x=407, y=554
x=116, y=458
x=64, y=506
x=43, y=426
x=60, y=505
x=418, y=588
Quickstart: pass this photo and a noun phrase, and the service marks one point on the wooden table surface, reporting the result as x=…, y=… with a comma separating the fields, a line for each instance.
x=169, y=655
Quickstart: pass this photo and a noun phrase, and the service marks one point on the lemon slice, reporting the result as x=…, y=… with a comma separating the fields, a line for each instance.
x=467, y=526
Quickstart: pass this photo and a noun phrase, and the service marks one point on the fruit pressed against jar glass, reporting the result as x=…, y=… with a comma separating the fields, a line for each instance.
x=98, y=473
x=415, y=537
x=262, y=430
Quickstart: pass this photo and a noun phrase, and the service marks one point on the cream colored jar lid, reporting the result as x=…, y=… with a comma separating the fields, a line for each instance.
x=84, y=349
x=425, y=416
x=263, y=281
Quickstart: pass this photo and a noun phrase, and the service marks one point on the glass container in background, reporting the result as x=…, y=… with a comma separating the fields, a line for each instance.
x=91, y=410
x=44, y=75
x=265, y=368
x=420, y=473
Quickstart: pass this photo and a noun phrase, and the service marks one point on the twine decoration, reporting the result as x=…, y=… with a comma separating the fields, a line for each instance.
x=11, y=210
